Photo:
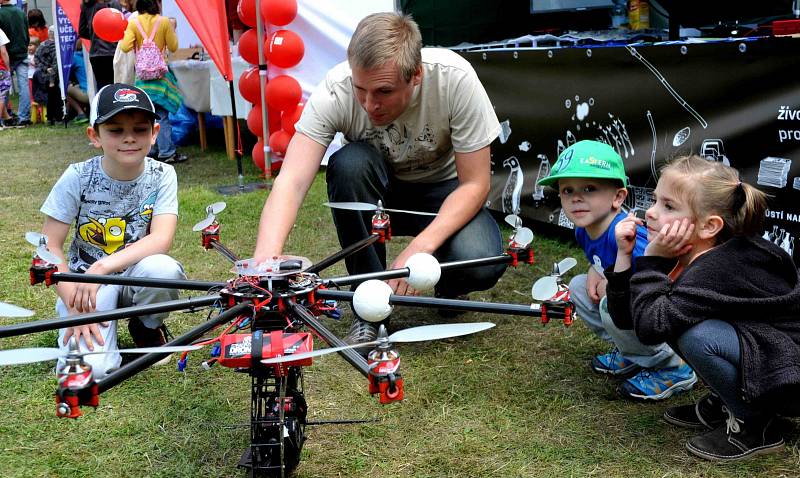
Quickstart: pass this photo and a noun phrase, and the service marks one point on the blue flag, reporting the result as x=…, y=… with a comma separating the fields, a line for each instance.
x=65, y=47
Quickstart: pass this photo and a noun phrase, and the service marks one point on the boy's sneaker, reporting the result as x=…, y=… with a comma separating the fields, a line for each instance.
x=736, y=439
x=706, y=413
x=650, y=384
x=146, y=337
x=613, y=363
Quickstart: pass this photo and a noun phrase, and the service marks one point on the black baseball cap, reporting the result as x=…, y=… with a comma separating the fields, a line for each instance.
x=116, y=97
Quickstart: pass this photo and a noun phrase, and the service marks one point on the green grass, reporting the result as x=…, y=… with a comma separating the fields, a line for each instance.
x=518, y=400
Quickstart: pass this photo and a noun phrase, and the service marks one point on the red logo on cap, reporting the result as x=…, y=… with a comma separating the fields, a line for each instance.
x=126, y=95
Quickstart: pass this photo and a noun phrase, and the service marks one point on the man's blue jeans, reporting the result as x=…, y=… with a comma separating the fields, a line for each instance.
x=24, y=107
x=357, y=172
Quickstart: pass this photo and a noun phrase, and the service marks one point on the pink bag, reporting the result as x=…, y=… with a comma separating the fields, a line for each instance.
x=150, y=64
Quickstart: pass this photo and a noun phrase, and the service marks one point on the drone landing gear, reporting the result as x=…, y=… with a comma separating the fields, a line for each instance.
x=278, y=410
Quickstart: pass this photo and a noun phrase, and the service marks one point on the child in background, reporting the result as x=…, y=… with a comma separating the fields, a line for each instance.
x=37, y=26
x=46, y=77
x=125, y=209
x=32, y=47
x=728, y=301
x=592, y=185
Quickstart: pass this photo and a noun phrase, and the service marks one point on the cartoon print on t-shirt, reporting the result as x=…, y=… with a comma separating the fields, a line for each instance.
x=106, y=233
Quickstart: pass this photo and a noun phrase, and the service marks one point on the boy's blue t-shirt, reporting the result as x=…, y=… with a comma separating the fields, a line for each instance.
x=605, y=246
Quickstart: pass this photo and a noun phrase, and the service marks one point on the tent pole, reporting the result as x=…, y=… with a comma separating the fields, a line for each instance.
x=262, y=84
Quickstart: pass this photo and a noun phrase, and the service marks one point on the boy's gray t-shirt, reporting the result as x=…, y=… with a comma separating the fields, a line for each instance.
x=109, y=214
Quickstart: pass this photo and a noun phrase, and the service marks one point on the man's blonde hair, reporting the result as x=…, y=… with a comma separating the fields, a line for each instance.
x=383, y=37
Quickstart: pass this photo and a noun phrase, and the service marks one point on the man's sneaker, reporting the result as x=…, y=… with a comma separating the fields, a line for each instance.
x=650, y=384
x=360, y=332
x=146, y=337
x=23, y=123
x=613, y=363
x=736, y=439
x=706, y=413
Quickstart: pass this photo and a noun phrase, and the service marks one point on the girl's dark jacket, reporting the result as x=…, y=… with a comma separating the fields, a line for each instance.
x=748, y=282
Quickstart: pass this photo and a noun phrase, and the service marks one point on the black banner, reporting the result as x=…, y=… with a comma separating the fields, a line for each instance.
x=732, y=101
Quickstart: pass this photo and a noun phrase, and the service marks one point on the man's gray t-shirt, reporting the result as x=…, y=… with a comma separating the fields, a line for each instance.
x=449, y=112
x=109, y=214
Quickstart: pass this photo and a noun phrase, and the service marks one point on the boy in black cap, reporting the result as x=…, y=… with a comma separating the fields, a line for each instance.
x=125, y=209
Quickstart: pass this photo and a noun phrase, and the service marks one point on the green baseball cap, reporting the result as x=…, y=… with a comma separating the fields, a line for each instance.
x=587, y=159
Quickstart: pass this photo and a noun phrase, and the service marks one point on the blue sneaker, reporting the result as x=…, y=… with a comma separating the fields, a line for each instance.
x=613, y=363
x=651, y=384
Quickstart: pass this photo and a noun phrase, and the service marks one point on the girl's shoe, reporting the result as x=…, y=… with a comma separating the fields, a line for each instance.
x=736, y=439
x=707, y=413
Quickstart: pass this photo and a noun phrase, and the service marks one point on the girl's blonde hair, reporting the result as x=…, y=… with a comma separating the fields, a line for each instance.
x=711, y=188
x=383, y=37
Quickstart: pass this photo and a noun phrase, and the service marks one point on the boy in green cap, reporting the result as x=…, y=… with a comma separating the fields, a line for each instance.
x=591, y=182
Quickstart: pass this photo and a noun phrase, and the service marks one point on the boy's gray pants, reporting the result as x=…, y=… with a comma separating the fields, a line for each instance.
x=110, y=297
x=599, y=321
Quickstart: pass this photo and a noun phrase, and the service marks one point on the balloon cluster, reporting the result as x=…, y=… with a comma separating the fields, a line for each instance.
x=284, y=49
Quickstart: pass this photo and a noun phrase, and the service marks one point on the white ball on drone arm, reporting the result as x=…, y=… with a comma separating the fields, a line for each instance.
x=424, y=271
x=371, y=300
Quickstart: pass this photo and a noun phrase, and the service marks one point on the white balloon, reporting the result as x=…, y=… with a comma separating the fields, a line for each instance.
x=424, y=271
x=371, y=300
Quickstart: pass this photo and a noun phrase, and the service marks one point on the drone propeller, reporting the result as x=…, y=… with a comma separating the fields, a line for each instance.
x=546, y=287
x=212, y=210
x=11, y=310
x=43, y=354
x=414, y=334
x=522, y=236
x=40, y=241
x=365, y=206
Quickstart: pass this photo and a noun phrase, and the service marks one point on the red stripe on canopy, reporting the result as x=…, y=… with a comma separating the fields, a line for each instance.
x=209, y=22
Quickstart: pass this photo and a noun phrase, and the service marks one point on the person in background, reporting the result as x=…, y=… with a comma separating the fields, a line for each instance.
x=5, y=81
x=163, y=91
x=77, y=99
x=101, y=53
x=37, y=26
x=15, y=25
x=128, y=8
x=124, y=62
x=47, y=76
x=32, y=46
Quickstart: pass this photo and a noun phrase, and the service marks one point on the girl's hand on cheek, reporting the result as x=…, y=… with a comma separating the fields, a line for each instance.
x=673, y=240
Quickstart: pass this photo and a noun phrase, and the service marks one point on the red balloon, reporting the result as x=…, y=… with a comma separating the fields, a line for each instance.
x=275, y=167
x=289, y=118
x=283, y=93
x=248, y=46
x=246, y=9
x=258, y=155
x=254, y=121
x=249, y=86
x=279, y=12
x=284, y=48
x=278, y=142
x=109, y=24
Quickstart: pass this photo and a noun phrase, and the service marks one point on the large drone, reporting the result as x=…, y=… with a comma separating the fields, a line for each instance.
x=269, y=313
